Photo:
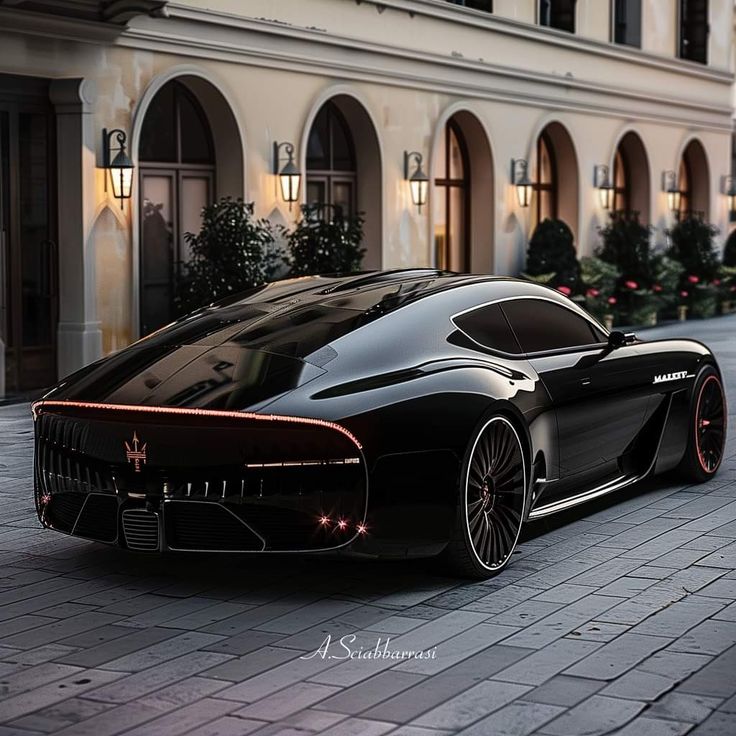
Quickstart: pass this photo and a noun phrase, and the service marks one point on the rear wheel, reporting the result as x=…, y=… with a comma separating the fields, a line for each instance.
x=707, y=427
x=491, y=501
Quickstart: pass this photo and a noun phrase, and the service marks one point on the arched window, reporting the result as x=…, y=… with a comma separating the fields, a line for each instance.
x=331, y=166
x=621, y=183
x=546, y=183
x=177, y=179
x=452, y=201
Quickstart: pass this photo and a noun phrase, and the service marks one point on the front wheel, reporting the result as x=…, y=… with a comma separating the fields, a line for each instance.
x=706, y=427
x=491, y=501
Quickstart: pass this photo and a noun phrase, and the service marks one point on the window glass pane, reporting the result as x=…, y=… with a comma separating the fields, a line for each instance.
x=457, y=168
x=546, y=173
x=158, y=134
x=694, y=30
x=485, y=5
x=342, y=148
x=315, y=191
x=195, y=194
x=342, y=196
x=489, y=327
x=559, y=14
x=541, y=325
x=195, y=135
x=318, y=145
x=627, y=22
x=457, y=229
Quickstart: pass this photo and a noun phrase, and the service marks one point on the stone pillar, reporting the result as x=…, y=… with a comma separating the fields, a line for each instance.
x=79, y=334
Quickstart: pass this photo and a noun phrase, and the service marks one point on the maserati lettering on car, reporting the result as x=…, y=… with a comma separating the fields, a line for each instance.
x=391, y=414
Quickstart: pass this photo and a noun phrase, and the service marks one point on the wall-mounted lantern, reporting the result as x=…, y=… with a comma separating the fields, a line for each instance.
x=289, y=175
x=729, y=189
x=602, y=181
x=520, y=179
x=120, y=167
x=669, y=185
x=418, y=180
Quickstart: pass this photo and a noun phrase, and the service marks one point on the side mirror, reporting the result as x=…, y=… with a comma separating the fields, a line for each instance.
x=617, y=339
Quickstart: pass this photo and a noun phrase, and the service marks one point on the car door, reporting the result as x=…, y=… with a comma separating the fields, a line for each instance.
x=599, y=397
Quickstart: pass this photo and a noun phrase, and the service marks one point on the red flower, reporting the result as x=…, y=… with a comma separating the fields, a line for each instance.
x=716, y=282
x=631, y=285
x=611, y=299
x=693, y=279
x=683, y=294
x=566, y=290
x=657, y=287
x=592, y=292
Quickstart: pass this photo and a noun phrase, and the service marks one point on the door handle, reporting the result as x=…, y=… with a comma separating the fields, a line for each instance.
x=585, y=382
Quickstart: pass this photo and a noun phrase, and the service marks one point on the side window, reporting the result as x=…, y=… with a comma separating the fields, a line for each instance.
x=488, y=327
x=542, y=325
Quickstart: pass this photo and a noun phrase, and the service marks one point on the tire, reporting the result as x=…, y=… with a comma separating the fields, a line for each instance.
x=491, y=502
x=706, y=428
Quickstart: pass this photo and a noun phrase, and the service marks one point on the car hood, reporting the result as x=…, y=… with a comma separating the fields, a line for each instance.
x=225, y=376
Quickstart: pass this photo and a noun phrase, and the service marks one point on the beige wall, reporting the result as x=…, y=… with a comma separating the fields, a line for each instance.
x=409, y=74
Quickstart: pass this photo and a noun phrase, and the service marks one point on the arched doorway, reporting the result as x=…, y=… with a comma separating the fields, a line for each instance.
x=177, y=178
x=555, y=183
x=630, y=177
x=693, y=179
x=462, y=212
x=452, y=200
x=343, y=165
x=189, y=151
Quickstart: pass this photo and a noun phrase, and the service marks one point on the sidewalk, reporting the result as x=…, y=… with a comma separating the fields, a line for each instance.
x=619, y=617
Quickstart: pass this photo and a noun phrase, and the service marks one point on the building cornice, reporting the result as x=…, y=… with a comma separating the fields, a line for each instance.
x=474, y=78
x=457, y=14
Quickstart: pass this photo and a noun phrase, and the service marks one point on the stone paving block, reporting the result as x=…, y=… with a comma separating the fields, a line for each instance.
x=206, y=615
x=312, y=720
x=357, y=727
x=595, y=716
x=684, y=707
x=567, y=619
x=517, y=719
x=472, y=705
x=396, y=624
x=718, y=724
x=152, y=678
x=617, y=657
x=709, y=637
x=598, y=631
x=59, y=716
x=252, y=663
x=227, y=726
x=645, y=726
x=545, y=663
x=116, y=648
x=626, y=587
x=33, y=677
x=502, y=599
x=161, y=651
x=181, y=692
x=416, y=700
x=717, y=678
x=677, y=665
x=58, y=630
x=419, y=731
x=639, y=685
x=660, y=545
x=54, y=692
x=370, y=692
x=564, y=691
x=526, y=613
x=281, y=704
x=714, y=519
x=679, y=617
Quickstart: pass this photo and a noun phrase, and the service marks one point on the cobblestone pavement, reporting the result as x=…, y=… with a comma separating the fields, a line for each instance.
x=617, y=618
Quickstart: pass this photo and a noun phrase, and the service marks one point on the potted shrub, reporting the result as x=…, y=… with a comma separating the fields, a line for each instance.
x=626, y=246
x=727, y=274
x=232, y=252
x=552, y=258
x=599, y=279
x=693, y=247
x=324, y=240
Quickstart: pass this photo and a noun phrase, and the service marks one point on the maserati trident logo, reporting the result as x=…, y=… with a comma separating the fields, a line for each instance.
x=663, y=377
x=136, y=453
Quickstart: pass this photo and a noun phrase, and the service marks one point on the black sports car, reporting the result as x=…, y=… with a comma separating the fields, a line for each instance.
x=394, y=413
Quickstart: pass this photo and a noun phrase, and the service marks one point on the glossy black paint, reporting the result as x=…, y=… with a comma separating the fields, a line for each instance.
x=379, y=355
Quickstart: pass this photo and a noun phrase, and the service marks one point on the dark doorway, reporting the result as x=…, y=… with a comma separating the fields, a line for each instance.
x=177, y=176
x=28, y=253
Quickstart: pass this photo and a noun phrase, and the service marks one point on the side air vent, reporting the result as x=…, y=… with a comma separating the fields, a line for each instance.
x=141, y=530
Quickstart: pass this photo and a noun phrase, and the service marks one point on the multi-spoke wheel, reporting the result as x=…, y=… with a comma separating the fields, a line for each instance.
x=491, y=502
x=707, y=432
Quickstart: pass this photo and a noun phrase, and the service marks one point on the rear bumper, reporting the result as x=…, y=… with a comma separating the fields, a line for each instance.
x=154, y=479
